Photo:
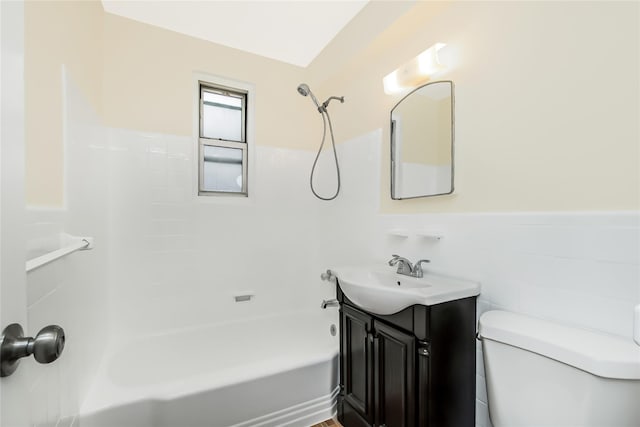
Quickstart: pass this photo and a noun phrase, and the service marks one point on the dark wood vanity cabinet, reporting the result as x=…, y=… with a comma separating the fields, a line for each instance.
x=413, y=368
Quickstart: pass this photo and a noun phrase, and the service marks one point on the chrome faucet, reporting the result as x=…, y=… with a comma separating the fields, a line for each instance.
x=417, y=269
x=405, y=267
x=329, y=303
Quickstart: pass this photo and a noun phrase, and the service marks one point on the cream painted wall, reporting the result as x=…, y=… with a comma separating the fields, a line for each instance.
x=353, y=41
x=516, y=150
x=56, y=33
x=148, y=83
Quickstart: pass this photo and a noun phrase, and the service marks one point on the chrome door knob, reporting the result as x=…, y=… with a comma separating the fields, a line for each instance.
x=48, y=344
x=46, y=347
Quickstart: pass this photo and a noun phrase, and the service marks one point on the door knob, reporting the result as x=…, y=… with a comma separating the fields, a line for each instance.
x=45, y=347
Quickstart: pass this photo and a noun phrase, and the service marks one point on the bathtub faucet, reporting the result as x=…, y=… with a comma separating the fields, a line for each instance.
x=329, y=303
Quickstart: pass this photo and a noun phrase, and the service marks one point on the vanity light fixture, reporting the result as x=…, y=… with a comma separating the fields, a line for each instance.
x=415, y=72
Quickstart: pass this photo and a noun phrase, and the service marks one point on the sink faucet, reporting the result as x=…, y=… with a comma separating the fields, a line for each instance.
x=404, y=265
x=417, y=269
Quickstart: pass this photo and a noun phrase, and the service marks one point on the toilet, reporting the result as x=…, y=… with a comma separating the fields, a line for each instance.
x=544, y=374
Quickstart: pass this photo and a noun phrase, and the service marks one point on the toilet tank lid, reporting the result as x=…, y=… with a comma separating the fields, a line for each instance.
x=601, y=354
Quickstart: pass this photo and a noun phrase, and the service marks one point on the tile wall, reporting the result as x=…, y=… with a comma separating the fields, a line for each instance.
x=72, y=291
x=581, y=269
x=177, y=260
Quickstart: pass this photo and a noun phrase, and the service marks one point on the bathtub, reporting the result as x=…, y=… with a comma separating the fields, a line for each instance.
x=270, y=371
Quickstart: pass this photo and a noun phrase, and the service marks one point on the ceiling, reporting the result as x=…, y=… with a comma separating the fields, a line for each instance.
x=293, y=31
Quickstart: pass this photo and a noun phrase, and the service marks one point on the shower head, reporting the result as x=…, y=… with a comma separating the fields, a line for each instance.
x=303, y=89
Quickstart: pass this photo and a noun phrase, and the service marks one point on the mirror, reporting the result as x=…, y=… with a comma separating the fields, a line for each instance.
x=422, y=142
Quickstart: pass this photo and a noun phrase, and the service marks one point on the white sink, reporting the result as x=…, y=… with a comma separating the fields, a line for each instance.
x=381, y=290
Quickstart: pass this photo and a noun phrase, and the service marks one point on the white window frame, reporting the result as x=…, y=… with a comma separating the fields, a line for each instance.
x=234, y=86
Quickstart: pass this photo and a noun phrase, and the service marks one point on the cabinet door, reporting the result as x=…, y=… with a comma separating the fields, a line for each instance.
x=394, y=377
x=357, y=361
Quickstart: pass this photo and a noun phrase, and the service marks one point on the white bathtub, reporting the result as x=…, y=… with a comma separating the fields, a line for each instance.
x=274, y=371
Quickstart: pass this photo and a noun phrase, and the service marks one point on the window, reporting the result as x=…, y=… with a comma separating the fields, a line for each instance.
x=222, y=141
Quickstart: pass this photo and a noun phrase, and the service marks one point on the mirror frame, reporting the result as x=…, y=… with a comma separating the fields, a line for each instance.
x=393, y=141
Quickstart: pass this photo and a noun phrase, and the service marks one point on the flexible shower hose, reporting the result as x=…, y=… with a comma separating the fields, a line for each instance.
x=335, y=156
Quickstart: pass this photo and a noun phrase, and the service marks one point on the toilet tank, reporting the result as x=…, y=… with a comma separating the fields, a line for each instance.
x=541, y=373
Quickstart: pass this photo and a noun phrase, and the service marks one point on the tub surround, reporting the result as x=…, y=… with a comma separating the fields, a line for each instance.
x=184, y=257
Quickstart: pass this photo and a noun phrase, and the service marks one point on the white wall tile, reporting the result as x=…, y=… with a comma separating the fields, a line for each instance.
x=616, y=244
x=71, y=292
x=182, y=257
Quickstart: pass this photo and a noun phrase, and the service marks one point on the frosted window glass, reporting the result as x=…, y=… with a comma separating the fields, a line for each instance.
x=222, y=169
x=221, y=117
x=216, y=98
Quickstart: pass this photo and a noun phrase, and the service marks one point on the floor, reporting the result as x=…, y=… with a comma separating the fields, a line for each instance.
x=328, y=423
